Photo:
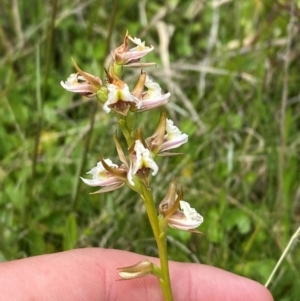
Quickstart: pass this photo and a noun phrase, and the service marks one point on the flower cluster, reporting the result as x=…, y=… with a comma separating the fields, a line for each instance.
x=138, y=165
x=115, y=94
x=111, y=176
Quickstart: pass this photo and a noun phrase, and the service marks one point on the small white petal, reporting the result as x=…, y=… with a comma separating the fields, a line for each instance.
x=140, y=45
x=130, y=174
x=99, y=171
x=154, y=89
x=104, y=182
x=151, y=103
x=172, y=130
x=136, y=41
x=190, y=213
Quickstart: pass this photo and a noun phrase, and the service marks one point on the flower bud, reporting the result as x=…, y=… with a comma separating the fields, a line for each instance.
x=141, y=269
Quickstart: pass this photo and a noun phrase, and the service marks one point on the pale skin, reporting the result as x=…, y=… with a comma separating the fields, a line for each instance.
x=91, y=275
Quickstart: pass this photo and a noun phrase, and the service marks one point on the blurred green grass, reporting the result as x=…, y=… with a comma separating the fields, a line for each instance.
x=225, y=63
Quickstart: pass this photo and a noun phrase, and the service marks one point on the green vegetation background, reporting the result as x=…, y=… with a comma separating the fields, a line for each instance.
x=233, y=70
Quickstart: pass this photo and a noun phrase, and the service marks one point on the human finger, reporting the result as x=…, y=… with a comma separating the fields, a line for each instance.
x=91, y=274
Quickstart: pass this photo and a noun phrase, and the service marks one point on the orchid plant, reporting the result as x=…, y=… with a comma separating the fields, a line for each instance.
x=138, y=163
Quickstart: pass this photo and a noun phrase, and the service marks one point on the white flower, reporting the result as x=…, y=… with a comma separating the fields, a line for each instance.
x=174, y=137
x=141, y=159
x=117, y=95
x=125, y=56
x=153, y=97
x=185, y=219
x=77, y=83
x=82, y=82
x=102, y=177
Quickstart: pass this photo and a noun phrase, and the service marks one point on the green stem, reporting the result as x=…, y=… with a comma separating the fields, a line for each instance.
x=161, y=241
x=127, y=125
